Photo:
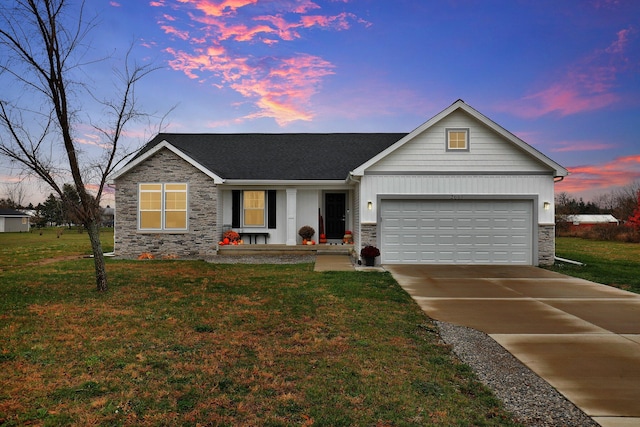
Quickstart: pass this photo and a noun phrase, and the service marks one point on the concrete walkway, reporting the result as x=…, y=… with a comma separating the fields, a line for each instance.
x=581, y=337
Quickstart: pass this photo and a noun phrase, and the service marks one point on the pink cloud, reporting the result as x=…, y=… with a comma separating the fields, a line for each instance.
x=184, y=35
x=620, y=44
x=278, y=87
x=282, y=26
x=214, y=8
x=587, y=85
x=569, y=146
x=304, y=6
x=618, y=172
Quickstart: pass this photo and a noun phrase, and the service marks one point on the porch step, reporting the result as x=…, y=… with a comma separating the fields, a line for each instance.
x=259, y=249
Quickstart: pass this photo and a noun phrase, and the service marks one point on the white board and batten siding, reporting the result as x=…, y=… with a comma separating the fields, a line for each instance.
x=488, y=151
x=540, y=187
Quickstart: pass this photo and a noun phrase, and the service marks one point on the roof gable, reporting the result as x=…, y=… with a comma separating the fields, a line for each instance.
x=529, y=157
x=150, y=150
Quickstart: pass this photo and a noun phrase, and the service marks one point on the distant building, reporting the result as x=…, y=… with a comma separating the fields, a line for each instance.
x=12, y=221
x=589, y=220
x=108, y=215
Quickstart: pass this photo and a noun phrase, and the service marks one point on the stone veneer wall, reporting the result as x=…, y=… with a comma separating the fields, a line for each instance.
x=199, y=241
x=369, y=235
x=546, y=244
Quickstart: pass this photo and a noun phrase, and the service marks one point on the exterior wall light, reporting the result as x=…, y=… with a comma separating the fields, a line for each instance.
x=546, y=206
x=370, y=205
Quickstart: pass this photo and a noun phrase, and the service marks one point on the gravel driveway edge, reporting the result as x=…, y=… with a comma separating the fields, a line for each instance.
x=532, y=400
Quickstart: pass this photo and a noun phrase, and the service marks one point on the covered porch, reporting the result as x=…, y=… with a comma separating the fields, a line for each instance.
x=284, y=249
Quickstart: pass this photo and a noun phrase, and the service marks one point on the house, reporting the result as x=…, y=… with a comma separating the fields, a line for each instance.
x=106, y=216
x=12, y=221
x=589, y=220
x=458, y=189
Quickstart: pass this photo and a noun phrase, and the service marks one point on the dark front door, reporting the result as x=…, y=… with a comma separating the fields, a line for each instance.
x=335, y=209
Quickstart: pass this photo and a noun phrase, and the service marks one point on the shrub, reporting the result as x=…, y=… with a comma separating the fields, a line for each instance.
x=369, y=251
x=306, y=232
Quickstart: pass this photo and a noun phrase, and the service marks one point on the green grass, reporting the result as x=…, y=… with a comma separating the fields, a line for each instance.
x=188, y=343
x=611, y=263
x=38, y=246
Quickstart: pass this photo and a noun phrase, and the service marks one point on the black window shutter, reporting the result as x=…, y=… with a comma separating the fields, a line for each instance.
x=271, y=206
x=235, y=209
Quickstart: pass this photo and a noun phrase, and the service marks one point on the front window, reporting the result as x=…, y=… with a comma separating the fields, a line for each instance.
x=457, y=140
x=163, y=206
x=253, y=205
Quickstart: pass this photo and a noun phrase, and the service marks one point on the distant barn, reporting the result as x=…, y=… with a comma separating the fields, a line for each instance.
x=12, y=221
x=590, y=220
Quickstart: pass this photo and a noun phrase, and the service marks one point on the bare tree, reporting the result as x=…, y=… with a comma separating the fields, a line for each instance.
x=16, y=192
x=44, y=49
x=627, y=200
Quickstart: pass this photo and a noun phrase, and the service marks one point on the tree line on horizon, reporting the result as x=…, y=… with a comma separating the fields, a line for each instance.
x=54, y=211
x=623, y=204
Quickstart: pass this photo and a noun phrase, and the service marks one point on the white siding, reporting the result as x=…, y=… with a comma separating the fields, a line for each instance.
x=483, y=185
x=488, y=151
x=307, y=211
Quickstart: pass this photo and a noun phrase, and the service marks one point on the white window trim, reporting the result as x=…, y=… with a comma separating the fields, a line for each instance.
x=163, y=207
x=447, y=143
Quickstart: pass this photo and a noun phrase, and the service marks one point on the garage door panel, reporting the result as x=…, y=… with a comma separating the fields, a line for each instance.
x=457, y=231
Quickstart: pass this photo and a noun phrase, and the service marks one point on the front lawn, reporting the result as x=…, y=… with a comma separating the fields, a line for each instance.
x=611, y=263
x=192, y=343
x=41, y=245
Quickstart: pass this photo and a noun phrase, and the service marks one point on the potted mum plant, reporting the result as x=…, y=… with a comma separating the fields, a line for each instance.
x=307, y=232
x=369, y=254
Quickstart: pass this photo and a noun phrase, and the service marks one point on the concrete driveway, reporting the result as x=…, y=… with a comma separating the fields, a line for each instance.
x=581, y=337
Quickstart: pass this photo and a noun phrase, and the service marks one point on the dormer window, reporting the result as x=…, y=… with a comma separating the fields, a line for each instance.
x=457, y=139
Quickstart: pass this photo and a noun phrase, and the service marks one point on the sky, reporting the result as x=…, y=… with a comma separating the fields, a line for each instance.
x=564, y=76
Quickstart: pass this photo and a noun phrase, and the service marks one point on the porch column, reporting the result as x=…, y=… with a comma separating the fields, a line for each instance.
x=292, y=196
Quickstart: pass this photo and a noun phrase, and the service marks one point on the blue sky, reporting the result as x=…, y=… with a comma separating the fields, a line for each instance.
x=562, y=75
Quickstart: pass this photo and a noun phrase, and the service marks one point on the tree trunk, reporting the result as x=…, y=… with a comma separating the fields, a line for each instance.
x=98, y=256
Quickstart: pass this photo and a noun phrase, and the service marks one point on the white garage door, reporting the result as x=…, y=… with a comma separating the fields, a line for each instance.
x=456, y=232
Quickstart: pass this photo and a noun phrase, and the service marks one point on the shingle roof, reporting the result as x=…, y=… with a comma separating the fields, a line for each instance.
x=279, y=156
x=591, y=218
x=12, y=212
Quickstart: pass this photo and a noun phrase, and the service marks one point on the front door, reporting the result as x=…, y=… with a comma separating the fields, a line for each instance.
x=335, y=209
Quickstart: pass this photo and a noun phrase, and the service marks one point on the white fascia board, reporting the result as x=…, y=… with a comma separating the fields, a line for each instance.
x=558, y=170
x=359, y=171
x=285, y=182
x=166, y=145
